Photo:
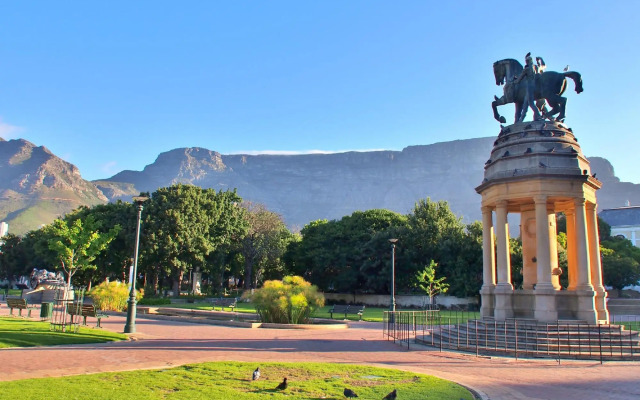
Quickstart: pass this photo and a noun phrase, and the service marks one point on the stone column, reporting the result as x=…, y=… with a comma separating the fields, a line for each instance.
x=504, y=288
x=586, y=308
x=582, y=246
x=528, y=235
x=553, y=249
x=488, y=263
x=543, y=256
x=572, y=262
x=545, y=294
x=595, y=263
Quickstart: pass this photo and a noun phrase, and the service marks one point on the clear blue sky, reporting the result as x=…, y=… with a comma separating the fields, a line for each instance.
x=110, y=85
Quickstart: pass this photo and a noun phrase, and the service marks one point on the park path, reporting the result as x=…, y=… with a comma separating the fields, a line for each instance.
x=160, y=344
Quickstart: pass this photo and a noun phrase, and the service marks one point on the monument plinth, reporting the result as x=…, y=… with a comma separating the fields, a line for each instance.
x=537, y=169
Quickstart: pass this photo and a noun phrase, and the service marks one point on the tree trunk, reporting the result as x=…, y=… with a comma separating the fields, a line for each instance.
x=156, y=279
x=248, y=269
x=177, y=283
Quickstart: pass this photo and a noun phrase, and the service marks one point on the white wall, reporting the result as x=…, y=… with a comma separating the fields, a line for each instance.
x=401, y=301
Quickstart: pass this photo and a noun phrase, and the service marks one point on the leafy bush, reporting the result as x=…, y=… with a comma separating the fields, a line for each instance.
x=290, y=301
x=112, y=296
x=154, y=301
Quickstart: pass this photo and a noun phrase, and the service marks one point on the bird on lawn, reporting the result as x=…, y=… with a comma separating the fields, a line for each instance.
x=391, y=396
x=256, y=374
x=349, y=393
x=282, y=385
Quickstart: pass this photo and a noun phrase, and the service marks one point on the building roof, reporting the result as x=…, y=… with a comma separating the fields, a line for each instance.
x=623, y=216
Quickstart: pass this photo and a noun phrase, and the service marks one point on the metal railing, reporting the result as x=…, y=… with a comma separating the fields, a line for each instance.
x=465, y=331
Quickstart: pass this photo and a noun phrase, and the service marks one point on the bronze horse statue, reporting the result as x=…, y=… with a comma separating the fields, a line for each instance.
x=550, y=85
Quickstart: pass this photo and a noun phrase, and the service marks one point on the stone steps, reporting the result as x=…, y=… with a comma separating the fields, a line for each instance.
x=565, y=340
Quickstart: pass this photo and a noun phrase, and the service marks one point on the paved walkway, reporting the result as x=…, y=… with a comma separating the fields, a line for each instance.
x=160, y=344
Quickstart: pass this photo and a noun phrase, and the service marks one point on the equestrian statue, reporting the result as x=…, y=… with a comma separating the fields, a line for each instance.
x=532, y=83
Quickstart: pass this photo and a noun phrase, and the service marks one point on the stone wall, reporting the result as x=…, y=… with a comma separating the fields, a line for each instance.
x=382, y=300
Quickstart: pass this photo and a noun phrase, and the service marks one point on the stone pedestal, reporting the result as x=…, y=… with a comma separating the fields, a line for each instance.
x=537, y=169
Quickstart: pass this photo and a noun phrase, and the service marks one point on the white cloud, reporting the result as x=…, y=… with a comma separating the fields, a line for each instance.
x=8, y=131
x=108, y=167
x=299, y=152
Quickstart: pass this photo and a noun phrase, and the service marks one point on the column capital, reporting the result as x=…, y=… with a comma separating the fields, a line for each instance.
x=487, y=209
x=579, y=201
x=540, y=199
x=501, y=204
x=591, y=206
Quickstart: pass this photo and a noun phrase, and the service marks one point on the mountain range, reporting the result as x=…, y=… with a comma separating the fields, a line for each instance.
x=36, y=186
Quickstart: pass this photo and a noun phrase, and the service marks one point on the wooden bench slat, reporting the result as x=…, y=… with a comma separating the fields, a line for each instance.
x=355, y=309
x=87, y=310
x=20, y=304
x=223, y=302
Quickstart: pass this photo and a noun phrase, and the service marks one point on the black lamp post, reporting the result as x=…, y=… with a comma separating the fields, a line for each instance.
x=130, y=326
x=393, y=273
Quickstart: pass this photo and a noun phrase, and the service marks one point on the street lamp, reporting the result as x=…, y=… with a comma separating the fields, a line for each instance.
x=393, y=273
x=130, y=326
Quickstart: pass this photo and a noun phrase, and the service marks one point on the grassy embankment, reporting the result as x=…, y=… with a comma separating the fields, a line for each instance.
x=371, y=314
x=20, y=332
x=232, y=380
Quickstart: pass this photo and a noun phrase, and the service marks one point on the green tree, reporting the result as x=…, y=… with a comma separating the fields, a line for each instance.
x=184, y=224
x=113, y=263
x=620, y=262
x=426, y=280
x=77, y=243
x=264, y=244
x=351, y=254
x=436, y=233
x=13, y=257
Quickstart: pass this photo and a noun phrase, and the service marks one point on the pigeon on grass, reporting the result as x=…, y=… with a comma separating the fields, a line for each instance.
x=391, y=396
x=349, y=393
x=282, y=385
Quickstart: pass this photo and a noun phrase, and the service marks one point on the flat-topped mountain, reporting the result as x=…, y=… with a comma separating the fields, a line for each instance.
x=313, y=186
x=36, y=186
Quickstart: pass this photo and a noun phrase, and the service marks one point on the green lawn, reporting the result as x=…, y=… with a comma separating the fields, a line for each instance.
x=232, y=380
x=371, y=314
x=20, y=332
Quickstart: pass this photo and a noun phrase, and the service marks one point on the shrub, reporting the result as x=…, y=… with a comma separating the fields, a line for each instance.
x=112, y=296
x=154, y=301
x=290, y=301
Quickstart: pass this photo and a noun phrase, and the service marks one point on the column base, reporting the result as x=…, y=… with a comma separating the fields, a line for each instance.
x=503, y=295
x=487, y=300
x=586, y=310
x=601, y=305
x=546, y=309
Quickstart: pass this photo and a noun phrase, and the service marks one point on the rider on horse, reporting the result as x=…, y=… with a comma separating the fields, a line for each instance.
x=529, y=76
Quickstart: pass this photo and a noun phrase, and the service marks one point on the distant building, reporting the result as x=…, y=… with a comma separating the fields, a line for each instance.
x=4, y=229
x=624, y=221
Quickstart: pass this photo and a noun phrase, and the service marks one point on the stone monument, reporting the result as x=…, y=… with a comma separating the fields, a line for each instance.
x=537, y=169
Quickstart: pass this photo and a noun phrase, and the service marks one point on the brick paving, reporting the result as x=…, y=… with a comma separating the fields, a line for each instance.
x=160, y=344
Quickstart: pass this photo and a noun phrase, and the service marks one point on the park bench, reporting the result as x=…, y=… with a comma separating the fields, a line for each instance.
x=86, y=310
x=222, y=302
x=20, y=304
x=355, y=309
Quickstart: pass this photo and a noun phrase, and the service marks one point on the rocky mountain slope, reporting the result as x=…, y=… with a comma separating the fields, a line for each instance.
x=36, y=186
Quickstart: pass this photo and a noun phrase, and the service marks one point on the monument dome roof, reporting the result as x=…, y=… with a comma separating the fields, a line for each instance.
x=536, y=148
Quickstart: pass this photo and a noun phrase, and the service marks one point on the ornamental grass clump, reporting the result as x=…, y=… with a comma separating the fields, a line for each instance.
x=289, y=301
x=112, y=296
